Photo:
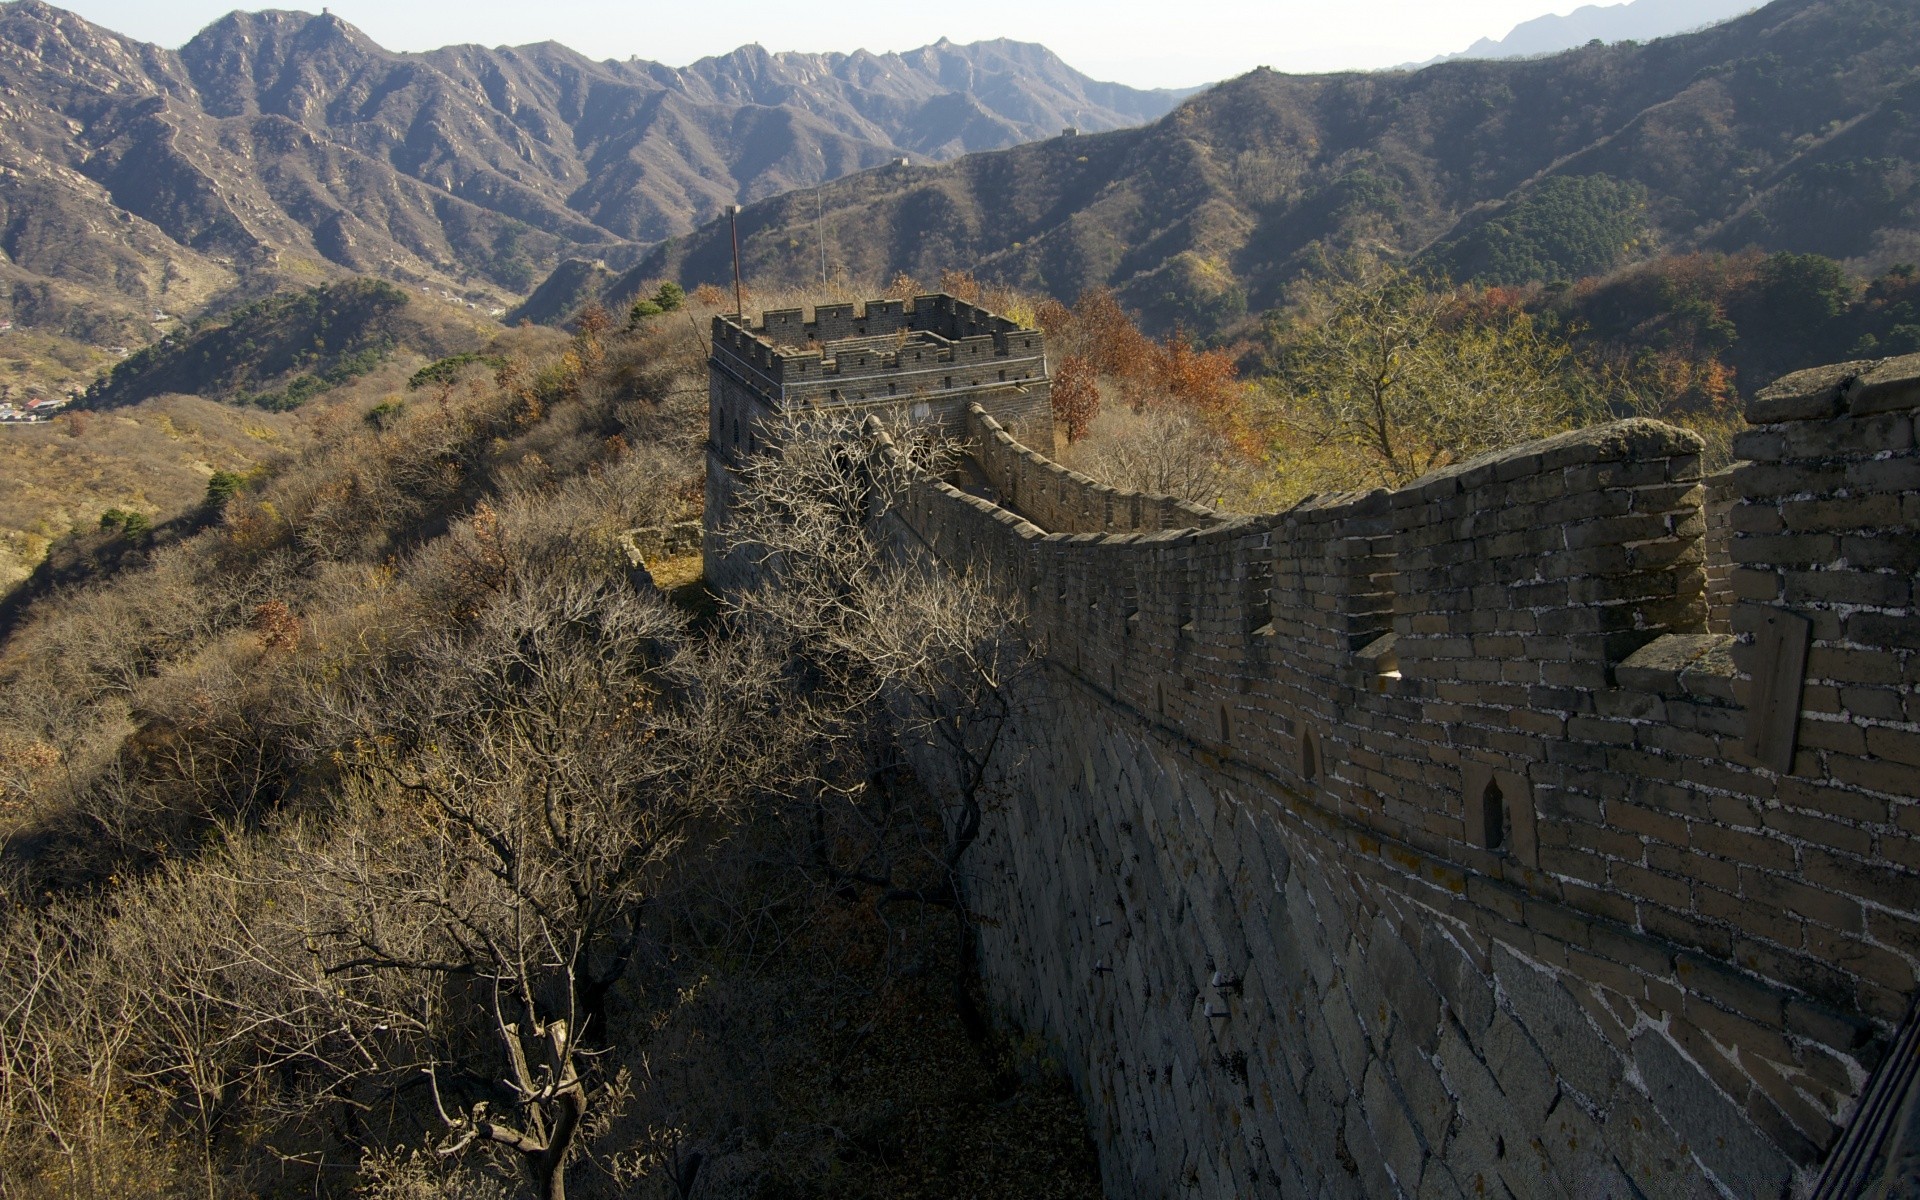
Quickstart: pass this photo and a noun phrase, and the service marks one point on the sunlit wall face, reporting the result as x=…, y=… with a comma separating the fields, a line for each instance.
x=1145, y=43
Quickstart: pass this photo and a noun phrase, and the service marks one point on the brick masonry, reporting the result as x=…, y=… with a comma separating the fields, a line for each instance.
x=1499, y=831
x=927, y=360
x=1065, y=501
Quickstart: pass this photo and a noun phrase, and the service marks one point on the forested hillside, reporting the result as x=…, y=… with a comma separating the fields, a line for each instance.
x=280, y=352
x=1789, y=129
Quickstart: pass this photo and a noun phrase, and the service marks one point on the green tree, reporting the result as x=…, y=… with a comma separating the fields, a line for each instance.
x=1569, y=227
x=223, y=486
x=1394, y=375
x=669, y=297
x=1790, y=314
x=126, y=522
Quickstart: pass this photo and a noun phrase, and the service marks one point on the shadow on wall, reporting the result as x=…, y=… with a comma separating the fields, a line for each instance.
x=1412, y=841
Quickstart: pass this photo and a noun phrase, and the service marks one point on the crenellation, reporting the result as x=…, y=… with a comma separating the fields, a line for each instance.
x=1465, y=771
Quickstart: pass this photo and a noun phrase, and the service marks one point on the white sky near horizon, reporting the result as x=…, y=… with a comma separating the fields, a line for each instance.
x=1145, y=43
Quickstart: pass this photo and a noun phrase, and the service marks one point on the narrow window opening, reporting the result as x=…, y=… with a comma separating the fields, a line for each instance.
x=1309, y=756
x=1226, y=724
x=1493, y=813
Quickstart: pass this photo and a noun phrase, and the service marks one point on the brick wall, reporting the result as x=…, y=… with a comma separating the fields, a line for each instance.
x=938, y=344
x=788, y=367
x=1718, y=511
x=1063, y=500
x=1513, y=868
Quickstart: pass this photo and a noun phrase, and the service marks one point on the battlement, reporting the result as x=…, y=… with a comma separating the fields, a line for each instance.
x=1065, y=501
x=1567, y=740
x=929, y=360
x=884, y=349
x=1563, y=800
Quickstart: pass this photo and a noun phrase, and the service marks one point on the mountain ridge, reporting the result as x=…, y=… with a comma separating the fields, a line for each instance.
x=275, y=149
x=1637, y=20
x=1744, y=133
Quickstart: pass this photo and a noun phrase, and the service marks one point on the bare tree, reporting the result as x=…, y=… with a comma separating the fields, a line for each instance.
x=519, y=786
x=61, y=1041
x=1164, y=451
x=900, y=652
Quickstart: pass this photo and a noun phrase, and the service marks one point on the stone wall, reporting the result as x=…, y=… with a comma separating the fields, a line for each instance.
x=1718, y=511
x=1427, y=841
x=1064, y=500
x=885, y=352
x=928, y=361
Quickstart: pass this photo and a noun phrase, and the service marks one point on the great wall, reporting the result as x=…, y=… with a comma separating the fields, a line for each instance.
x=1547, y=827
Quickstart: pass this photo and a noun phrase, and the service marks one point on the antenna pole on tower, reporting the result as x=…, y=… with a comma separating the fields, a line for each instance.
x=739, y=305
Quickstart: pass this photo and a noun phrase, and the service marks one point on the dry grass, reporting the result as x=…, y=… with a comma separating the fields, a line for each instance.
x=34, y=363
x=153, y=457
x=672, y=574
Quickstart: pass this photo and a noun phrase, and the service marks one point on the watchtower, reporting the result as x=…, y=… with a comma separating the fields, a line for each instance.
x=930, y=359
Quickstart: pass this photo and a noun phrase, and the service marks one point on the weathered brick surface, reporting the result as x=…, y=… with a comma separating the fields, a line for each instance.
x=1063, y=500
x=1656, y=962
x=929, y=360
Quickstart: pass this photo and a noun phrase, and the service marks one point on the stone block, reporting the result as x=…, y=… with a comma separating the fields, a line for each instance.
x=1714, y=1129
x=1887, y=386
x=1649, y=1153
x=1524, y=1077
x=1806, y=395
x=1577, y=1051
x=1393, y=1129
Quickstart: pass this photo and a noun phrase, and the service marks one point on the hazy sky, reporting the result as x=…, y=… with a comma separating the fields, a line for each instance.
x=1147, y=43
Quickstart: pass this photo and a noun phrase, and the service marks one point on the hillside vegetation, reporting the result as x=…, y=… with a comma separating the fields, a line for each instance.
x=218, y=395
x=1789, y=129
x=153, y=458
x=280, y=352
x=257, y=781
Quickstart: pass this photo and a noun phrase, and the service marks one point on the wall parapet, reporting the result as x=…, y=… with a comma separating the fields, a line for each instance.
x=1064, y=500
x=1517, y=670
x=935, y=343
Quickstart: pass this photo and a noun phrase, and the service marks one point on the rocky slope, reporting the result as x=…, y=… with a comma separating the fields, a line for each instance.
x=1791, y=128
x=279, y=148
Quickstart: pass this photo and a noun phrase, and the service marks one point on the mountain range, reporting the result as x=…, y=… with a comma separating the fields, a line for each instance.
x=1796, y=127
x=278, y=149
x=1637, y=20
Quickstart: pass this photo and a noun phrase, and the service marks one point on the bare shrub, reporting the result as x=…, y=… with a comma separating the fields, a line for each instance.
x=898, y=652
x=1166, y=451
x=517, y=788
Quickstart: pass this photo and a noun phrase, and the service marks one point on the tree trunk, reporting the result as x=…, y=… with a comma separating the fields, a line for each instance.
x=550, y=1167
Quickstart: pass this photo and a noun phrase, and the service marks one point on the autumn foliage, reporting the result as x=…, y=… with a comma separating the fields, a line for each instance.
x=1099, y=350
